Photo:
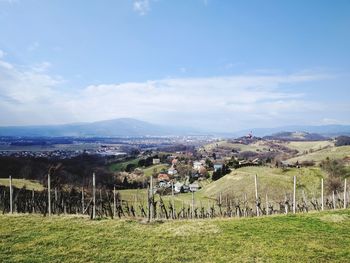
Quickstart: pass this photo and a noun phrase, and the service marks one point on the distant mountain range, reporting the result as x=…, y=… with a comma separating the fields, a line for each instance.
x=124, y=127
x=127, y=127
x=296, y=136
x=324, y=130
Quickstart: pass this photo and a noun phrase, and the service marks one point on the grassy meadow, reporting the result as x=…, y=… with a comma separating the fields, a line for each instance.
x=20, y=183
x=313, y=237
x=118, y=167
x=302, y=146
x=317, y=156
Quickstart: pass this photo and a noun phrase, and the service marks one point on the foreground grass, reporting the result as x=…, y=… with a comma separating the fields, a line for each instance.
x=317, y=237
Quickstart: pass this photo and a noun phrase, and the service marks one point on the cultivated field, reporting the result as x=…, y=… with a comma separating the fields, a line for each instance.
x=313, y=237
x=274, y=182
x=318, y=156
x=302, y=146
x=258, y=146
x=20, y=183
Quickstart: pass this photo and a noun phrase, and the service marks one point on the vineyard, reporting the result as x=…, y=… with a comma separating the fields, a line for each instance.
x=101, y=202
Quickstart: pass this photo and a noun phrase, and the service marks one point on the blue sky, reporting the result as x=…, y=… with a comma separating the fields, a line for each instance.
x=225, y=65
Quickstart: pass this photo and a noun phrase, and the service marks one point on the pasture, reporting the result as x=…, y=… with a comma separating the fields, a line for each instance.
x=312, y=237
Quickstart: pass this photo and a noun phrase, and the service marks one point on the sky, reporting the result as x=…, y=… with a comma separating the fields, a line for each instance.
x=215, y=64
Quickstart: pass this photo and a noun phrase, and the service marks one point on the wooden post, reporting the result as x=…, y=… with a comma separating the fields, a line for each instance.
x=267, y=205
x=93, y=196
x=345, y=193
x=322, y=204
x=285, y=204
x=114, y=202
x=152, y=201
x=294, y=190
x=256, y=195
x=172, y=199
x=49, y=193
x=82, y=200
x=11, y=195
x=33, y=201
x=192, y=212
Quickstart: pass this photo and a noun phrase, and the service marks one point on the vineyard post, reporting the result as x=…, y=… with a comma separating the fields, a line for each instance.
x=152, y=201
x=11, y=195
x=322, y=205
x=82, y=200
x=114, y=202
x=33, y=201
x=294, y=189
x=49, y=193
x=93, y=196
x=192, y=212
x=172, y=199
x=345, y=193
x=256, y=194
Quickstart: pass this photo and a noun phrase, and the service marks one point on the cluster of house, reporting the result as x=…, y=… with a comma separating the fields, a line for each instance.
x=164, y=180
x=179, y=187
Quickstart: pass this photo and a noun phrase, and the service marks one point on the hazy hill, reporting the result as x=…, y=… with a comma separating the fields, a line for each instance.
x=296, y=136
x=109, y=128
x=324, y=130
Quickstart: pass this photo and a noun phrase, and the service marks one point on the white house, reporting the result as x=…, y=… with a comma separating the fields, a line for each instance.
x=177, y=187
x=194, y=187
x=172, y=171
x=156, y=161
x=197, y=165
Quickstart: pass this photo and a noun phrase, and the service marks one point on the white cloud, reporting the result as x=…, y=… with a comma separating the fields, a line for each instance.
x=142, y=7
x=2, y=53
x=29, y=95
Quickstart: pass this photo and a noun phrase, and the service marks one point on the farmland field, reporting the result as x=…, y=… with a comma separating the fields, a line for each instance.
x=313, y=237
x=20, y=183
x=333, y=153
x=118, y=167
x=272, y=181
x=155, y=168
x=302, y=146
x=258, y=146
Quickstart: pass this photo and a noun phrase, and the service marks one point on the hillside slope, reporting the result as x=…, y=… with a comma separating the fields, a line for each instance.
x=317, y=156
x=274, y=182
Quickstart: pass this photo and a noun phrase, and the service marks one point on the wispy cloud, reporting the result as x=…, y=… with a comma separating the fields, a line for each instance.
x=2, y=53
x=142, y=7
x=29, y=95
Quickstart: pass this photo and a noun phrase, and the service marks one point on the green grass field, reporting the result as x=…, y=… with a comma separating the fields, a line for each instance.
x=318, y=156
x=242, y=147
x=118, y=167
x=313, y=237
x=271, y=181
x=20, y=183
x=158, y=168
x=308, y=145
